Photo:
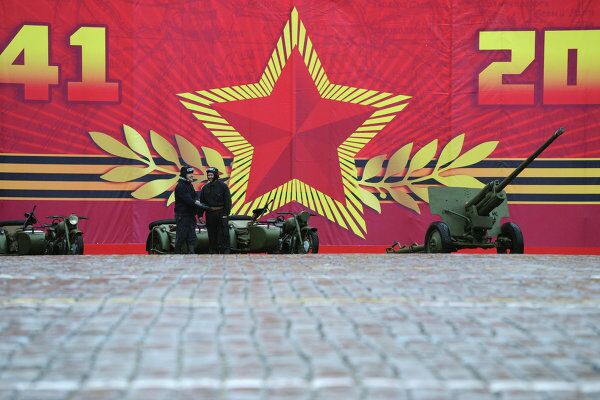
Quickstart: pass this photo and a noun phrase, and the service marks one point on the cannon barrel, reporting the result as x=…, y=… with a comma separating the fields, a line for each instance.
x=506, y=181
x=487, y=199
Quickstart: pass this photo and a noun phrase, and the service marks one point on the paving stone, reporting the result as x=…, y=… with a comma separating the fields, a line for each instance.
x=340, y=393
x=288, y=394
x=7, y=394
x=44, y=395
x=430, y=395
x=523, y=395
x=387, y=393
x=98, y=395
x=475, y=395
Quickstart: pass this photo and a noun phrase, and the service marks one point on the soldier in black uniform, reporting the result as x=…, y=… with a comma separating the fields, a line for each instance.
x=186, y=207
x=215, y=194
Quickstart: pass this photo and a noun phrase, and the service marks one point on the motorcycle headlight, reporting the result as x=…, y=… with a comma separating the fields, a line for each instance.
x=73, y=220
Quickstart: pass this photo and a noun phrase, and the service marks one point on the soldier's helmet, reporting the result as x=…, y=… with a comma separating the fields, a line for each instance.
x=214, y=171
x=186, y=170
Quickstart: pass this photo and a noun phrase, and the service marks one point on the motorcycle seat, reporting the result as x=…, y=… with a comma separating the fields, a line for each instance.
x=239, y=224
x=161, y=222
x=237, y=217
x=13, y=222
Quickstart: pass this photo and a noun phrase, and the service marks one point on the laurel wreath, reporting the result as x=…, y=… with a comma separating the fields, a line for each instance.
x=415, y=171
x=401, y=176
x=137, y=149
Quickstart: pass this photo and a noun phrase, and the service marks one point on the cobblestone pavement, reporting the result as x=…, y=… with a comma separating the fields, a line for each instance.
x=291, y=327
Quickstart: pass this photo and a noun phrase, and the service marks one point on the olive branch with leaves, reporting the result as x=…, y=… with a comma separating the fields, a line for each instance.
x=411, y=172
x=137, y=149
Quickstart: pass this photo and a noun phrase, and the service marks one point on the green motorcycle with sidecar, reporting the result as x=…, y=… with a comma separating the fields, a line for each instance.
x=291, y=235
x=63, y=235
x=22, y=237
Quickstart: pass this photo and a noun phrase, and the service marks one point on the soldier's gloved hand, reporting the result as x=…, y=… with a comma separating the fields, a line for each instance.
x=201, y=205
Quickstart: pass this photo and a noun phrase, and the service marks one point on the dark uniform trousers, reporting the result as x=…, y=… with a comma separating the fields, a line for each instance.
x=216, y=195
x=186, y=233
x=218, y=232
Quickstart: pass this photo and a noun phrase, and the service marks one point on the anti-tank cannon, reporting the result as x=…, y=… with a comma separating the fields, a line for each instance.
x=471, y=217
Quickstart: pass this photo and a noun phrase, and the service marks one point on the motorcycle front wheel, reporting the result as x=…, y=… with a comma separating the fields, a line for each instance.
x=309, y=244
x=77, y=245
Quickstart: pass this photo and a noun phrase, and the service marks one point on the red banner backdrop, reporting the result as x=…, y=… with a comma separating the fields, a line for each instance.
x=350, y=109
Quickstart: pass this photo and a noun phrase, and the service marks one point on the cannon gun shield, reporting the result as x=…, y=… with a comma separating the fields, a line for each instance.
x=449, y=204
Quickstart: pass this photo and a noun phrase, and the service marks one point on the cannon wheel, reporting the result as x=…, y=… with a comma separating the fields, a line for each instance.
x=438, y=239
x=513, y=232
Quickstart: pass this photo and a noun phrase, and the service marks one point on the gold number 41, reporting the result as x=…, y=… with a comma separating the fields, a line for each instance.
x=36, y=74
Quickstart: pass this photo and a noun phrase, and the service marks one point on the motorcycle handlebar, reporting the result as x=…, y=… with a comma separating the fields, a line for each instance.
x=27, y=215
x=63, y=217
x=291, y=213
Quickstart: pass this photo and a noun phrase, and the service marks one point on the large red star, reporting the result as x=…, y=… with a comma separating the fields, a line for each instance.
x=295, y=132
